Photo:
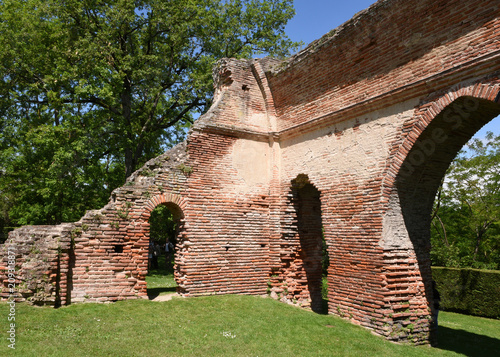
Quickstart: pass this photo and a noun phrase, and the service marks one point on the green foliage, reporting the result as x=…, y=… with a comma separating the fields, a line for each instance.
x=187, y=170
x=89, y=91
x=324, y=288
x=466, y=222
x=50, y=175
x=162, y=225
x=469, y=291
x=325, y=257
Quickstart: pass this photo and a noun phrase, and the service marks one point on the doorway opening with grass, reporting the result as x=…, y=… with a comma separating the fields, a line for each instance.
x=164, y=226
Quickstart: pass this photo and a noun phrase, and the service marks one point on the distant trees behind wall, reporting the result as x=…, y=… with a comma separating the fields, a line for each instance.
x=89, y=91
x=465, y=228
x=162, y=225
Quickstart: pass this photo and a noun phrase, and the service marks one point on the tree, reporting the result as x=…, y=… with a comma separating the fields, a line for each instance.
x=91, y=89
x=466, y=224
x=162, y=225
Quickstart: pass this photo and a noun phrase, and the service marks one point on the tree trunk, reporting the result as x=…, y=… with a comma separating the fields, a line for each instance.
x=445, y=238
x=476, y=248
x=132, y=157
x=130, y=162
x=479, y=237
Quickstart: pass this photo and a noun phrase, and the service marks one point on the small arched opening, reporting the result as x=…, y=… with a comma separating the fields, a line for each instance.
x=165, y=224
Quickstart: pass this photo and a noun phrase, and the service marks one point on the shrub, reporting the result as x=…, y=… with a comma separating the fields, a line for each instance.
x=469, y=291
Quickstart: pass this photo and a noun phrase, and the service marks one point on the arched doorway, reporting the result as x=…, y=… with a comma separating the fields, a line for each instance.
x=165, y=223
x=311, y=257
x=435, y=141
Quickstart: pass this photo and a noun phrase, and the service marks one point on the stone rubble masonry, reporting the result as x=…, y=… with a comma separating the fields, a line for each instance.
x=43, y=259
x=347, y=141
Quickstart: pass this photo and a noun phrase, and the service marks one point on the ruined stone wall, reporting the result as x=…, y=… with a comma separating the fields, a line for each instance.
x=218, y=186
x=340, y=126
x=43, y=264
x=111, y=244
x=102, y=257
x=314, y=145
x=376, y=220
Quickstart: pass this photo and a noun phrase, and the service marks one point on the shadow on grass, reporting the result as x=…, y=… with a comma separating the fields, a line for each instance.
x=467, y=343
x=324, y=307
x=155, y=292
x=161, y=280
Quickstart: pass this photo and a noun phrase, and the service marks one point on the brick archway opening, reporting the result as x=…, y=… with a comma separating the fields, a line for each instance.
x=165, y=225
x=311, y=249
x=407, y=224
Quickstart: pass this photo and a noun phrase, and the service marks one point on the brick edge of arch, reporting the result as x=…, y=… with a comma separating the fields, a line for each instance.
x=163, y=198
x=432, y=106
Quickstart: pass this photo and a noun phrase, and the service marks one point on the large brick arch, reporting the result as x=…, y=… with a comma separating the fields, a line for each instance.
x=432, y=106
x=440, y=127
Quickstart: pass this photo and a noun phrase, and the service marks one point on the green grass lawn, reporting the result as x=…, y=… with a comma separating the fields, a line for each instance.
x=229, y=325
x=161, y=281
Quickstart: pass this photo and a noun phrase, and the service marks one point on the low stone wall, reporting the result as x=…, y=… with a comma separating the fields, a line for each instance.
x=43, y=260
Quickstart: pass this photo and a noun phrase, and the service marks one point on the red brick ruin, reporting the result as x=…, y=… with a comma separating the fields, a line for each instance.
x=347, y=140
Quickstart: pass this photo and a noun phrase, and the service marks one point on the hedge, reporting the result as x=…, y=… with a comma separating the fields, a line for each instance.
x=469, y=291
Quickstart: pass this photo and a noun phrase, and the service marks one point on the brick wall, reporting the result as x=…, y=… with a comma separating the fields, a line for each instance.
x=391, y=45
x=228, y=214
x=44, y=260
x=345, y=163
x=348, y=139
x=111, y=244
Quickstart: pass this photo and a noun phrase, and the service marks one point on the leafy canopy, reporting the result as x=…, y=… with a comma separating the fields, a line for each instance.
x=92, y=89
x=466, y=225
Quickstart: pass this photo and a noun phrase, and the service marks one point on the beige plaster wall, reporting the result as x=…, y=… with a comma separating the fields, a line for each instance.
x=354, y=148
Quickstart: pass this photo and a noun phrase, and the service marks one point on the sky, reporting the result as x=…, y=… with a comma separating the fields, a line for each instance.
x=314, y=18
